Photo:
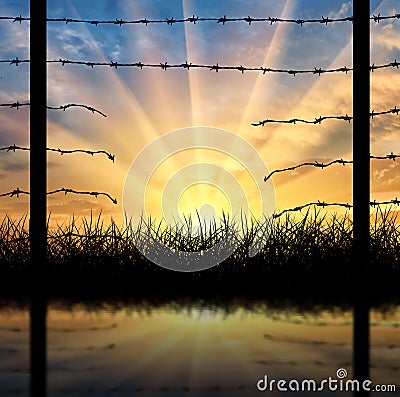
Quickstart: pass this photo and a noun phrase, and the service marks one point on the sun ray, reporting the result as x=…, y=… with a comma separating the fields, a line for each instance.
x=193, y=77
x=272, y=56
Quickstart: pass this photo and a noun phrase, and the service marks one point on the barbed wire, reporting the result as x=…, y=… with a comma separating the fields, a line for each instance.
x=16, y=192
x=318, y=204
x=314, y=164
x=194, y=19
x=15, y=61
x=322, y=165
x=320, y=119
x=216, y=67
x=14, y=148
x=323, y=204
x=389, y=202
x=17, y=105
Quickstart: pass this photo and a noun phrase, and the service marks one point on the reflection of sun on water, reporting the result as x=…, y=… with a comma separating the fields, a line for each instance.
x=198, y=347
x=123, y=347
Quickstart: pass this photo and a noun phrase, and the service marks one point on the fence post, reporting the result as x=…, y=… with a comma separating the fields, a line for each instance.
x=361, y=189
x=38, y=202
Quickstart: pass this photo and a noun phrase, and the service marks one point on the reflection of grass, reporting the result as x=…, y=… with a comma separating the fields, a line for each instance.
x=313, y=251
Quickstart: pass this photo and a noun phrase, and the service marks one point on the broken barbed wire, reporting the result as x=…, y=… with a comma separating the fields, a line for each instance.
x=322, y=165
x=16, y=192
x=314, y=164
x=14, y=148
x=323, y=204
x=17, y=105
x=319, y=120
x=194, y=19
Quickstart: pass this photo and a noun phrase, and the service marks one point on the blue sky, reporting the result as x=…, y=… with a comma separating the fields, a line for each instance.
x=143, y=105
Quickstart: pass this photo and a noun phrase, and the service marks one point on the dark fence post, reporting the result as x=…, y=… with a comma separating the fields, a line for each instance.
x=361, y=189
x=38, y=202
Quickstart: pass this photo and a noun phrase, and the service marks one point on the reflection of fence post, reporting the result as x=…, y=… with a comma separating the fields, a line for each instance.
x=38, y=187
x=361, y=187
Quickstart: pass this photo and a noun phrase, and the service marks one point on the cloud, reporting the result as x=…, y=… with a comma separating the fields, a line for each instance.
x=344, y=11
x=15, y=165
x=14, y=206
x=385, y=176
x=79, y=207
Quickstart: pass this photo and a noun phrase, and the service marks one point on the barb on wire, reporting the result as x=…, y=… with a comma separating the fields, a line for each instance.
x=394, y=110
x=390, y=202
x=14, y=105
x=317, y=164
x=16, y=192
x=17, y=105
x=216, y=67
x=14, y=148
x=19, y=19
x=194, y=19
x=390, y=156
x=15, y=61
x=324, y=204
x=319, y=120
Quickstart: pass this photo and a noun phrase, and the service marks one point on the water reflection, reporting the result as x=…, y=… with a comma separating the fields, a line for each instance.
x=14, y=350
x=197, y=350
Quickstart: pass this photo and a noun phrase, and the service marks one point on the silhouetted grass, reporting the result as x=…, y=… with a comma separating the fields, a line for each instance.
x=308, y=254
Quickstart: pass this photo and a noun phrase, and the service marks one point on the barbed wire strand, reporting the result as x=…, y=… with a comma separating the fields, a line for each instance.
x=322, y=165
x=194, y=19
x=17, y=105
x=323, y=204
x=14, y=148
x=16, y=192
x=216, y=67
x=319, y=120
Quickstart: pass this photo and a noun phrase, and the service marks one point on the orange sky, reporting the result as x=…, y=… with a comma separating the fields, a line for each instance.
x=142, y=105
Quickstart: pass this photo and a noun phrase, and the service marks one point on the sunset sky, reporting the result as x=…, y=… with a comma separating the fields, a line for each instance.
x=142, y=105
